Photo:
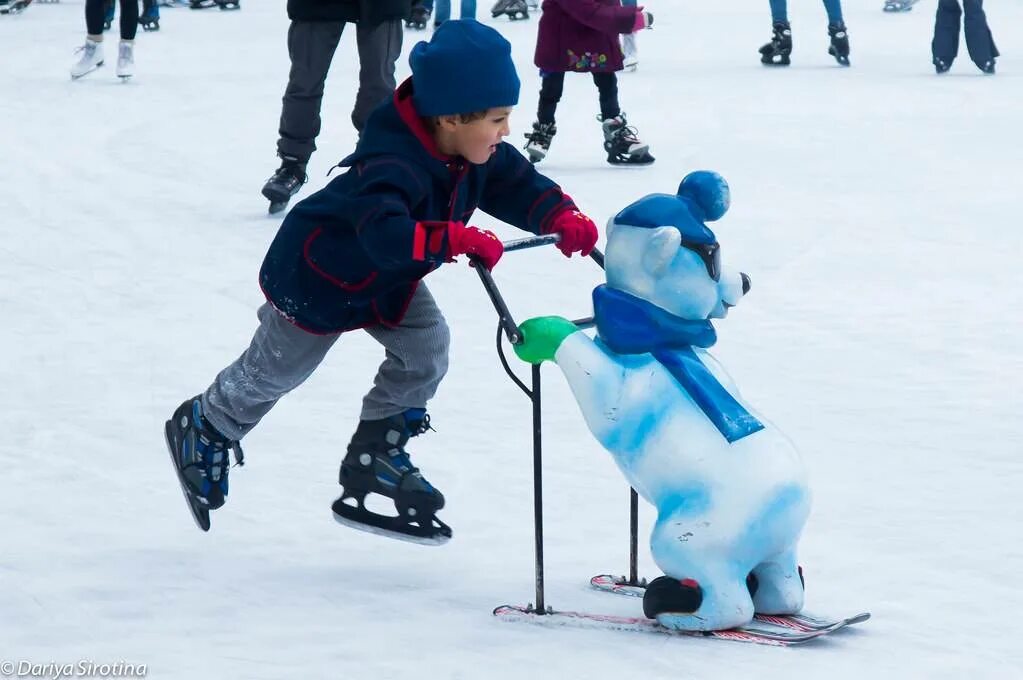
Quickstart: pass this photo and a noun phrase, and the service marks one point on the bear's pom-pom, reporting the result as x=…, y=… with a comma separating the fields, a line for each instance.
x=707, y=190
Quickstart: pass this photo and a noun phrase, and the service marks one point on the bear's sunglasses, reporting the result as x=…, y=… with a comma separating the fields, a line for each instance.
x=710, y=253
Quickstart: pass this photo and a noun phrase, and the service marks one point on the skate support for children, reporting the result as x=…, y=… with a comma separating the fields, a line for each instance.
x=508, y=327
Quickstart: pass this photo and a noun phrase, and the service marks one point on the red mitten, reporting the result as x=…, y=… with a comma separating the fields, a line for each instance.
x=578, y=232
x=463, y=240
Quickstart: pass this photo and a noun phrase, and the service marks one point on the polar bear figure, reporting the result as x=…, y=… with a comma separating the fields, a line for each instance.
x=730, y=490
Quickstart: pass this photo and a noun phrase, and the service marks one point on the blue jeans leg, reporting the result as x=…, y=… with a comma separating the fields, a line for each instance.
x=779, y=10
x=468, y=9
x=834, y=10
x=442, y=11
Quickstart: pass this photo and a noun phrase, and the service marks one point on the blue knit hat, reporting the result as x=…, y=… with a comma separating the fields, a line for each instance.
x=466, y=67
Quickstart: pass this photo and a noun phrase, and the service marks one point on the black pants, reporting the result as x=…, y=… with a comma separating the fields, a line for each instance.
x=311, y=46
x=979, y=42
x=95, y=9
x=554, y=85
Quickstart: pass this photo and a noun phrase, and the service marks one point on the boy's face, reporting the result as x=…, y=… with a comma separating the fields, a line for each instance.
x=477, y=140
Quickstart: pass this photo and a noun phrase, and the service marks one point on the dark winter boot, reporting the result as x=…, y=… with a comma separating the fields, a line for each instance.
x=201, y=459
x=377, y=462
x=941, y=66
x=668, y=595
x=839, y=47
x=285, y=183
x=539, y=140
x=776, y=52
x=622, y=143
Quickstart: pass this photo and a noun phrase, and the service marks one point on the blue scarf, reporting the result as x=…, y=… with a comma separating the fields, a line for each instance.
x=630, y=325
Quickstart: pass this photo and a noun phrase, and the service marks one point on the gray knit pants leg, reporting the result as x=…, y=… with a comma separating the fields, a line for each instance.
x=416, y=359
x=282, y=356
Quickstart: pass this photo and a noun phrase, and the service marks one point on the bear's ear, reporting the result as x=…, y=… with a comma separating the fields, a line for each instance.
x=661, y=248
x=709, y=191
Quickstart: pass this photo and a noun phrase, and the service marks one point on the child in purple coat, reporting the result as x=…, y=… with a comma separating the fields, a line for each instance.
x=581, y=36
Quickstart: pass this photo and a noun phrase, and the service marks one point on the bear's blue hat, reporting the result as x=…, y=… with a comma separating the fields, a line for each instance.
x=466, y=67
x=703, y=196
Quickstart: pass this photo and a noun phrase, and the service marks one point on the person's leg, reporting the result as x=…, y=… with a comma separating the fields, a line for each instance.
x=379, y=49
x=94, y=13
x=834, y=10
x=129, y=19
x=415, y=362
x=779, y=11
x=311, y=46
x=979, y=42
x=280, y=358
x=468, y=9
x=607, y=86
x=945, y=45
x=551, y=87
x=441, y=12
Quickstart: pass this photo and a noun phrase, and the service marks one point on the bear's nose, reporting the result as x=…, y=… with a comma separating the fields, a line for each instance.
x=745, y=282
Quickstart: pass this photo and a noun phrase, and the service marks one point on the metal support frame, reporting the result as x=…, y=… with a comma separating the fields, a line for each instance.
x=508, y=328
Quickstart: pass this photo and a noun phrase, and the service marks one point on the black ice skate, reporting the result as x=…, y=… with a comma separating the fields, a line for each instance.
x=898, y=5
x=776, y=52
x=377, y=462
x=149, y=20
x=513, y=9
x=418, y=19
x=839, y=47
x=13, y=6
x=108, y=14
x=941, y=65
x=284, y=183
x=200, y=456
x=622, y=145
x=222, y=4
x=539, y=141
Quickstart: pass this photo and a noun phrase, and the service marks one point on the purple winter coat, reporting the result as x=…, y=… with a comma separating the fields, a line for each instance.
x=582, y=35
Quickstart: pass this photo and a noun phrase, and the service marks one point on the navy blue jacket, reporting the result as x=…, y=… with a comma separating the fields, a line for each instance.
x=352, y=254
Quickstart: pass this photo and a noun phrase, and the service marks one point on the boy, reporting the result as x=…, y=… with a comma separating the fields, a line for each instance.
x=352, y=255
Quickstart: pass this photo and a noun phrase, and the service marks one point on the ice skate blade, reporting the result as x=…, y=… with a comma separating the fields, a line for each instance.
x=199, y=514
x=92, y=70
x=440, y=539
x=277, y=207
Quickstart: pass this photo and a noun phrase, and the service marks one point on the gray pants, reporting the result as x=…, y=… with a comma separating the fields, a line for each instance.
x=311, y=46
x=282, y=356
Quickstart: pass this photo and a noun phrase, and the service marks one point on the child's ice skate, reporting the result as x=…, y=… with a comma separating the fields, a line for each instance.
x=540, y=141
x=514, y=9
x=126, y=59
x=839, y=47
x=377, y=462
x=776, y=52
x=91, y=59
x=622, y=145
x=200, y=456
